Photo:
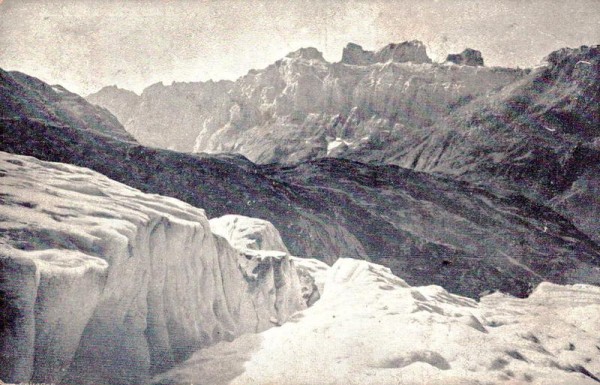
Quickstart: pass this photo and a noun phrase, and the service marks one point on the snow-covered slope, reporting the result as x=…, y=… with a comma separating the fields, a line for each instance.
x=370, y=327
x=101, y=283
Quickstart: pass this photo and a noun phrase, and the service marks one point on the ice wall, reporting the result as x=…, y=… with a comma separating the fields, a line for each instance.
x=101, y=283
x=248, y=233
x=259, y=238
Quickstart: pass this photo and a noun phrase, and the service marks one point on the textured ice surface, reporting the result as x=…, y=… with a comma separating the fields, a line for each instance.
x=259, y=238
x=101, y=283
x=248, y=233
x=370, y=327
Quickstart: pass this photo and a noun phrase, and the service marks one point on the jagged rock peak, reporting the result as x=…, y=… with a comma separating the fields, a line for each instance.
x=468, y=57
x=114, y=87
x=583, y=54
x=410, y=51
x=309, y=53
x=355, y=54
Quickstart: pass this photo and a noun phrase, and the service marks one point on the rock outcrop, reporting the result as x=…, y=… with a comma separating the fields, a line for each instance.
x=354, y=54
x=371, y=327
x=101, y=283
x=468, y=57
x=409, y=51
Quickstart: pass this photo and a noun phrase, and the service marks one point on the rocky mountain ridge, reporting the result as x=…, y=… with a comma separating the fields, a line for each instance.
x=303, y=107
x=537, y=137
x=428, y=228
x=25, y=97
x=533, y=132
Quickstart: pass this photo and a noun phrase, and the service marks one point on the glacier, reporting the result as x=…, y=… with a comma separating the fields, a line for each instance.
x=371, y=327
x=101, y=283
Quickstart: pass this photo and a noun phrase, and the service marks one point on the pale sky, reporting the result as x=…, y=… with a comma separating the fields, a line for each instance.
x=87, y=44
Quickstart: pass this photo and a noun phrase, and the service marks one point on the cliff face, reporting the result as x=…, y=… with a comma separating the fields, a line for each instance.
x=102, y=283
x=299, y=108
x=303, y=107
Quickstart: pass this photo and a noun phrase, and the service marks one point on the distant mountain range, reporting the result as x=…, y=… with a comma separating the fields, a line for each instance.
x=303, y=107
x=481, y=180
x=427, y=228
x=533, y=132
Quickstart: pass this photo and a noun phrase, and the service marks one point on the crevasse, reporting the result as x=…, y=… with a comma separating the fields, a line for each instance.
x=111, y=285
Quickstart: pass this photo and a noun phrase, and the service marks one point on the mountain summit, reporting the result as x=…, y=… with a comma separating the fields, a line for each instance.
x=307, y=54
x=470, y=57
x=302, y=107
x=409, y=51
